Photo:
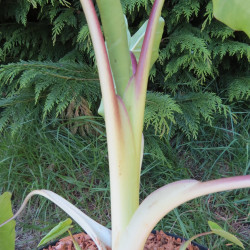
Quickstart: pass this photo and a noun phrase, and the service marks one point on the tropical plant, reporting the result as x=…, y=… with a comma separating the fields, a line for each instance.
x=123, y=82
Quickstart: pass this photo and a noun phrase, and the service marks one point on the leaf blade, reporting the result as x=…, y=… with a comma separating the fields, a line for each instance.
x=216, y=229
x=234, y=13
x=56, y=231
x=7, y=232
x=116, y=37
x=165, y=199
x=100, y=234
x=137, y=41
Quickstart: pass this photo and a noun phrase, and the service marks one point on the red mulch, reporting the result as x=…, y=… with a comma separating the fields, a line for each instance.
x=158, y=241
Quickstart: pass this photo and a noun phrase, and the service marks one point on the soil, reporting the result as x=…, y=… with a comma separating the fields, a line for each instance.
x=157, y=241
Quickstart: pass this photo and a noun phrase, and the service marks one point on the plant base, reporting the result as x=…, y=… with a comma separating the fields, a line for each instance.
x=156, y=241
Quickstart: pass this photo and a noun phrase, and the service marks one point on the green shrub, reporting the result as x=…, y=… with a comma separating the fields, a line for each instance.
x=203, y=65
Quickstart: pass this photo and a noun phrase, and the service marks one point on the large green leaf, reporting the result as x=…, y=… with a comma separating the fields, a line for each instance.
x=216, y=229
x=7, y=232
x=136, y=41
x=115, y=32
x=135, y=44
x=57, y=231
x=234, y=13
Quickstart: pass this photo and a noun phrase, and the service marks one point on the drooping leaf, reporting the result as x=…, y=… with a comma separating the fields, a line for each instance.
x=100, y=234
x=7, y=232
x=136, y=41
x=234, y=13
x=57, y=231
x=216, y=229
x=165, y=199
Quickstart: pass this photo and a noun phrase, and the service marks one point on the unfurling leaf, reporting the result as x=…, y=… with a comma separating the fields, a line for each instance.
x=57, y=231
x=136, y=41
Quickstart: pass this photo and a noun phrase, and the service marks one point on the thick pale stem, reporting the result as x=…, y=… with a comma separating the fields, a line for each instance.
x=124, y=180
x=124, y=164
x=162, y=201
x=142, y=72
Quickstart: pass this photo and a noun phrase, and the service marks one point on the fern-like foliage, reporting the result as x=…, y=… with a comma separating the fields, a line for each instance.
x=200, y=58
x=160, y=112
x=187, y=51
x=158, y=149
x=239, y=88
x=39, y=29
x=185, y=10
x=49, y=86
x=233, y=48
x=132, y=5
x=197, y=107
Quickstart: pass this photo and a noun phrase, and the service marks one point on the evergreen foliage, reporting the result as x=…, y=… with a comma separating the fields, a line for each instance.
x=160, y=111
x=47, y=88
x=239, y=88
x=195, y=105
x=202, y=68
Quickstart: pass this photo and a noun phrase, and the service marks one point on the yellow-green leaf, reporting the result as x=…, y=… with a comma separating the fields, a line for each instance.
x=137, y=41
x=7, y=232
x=216, y=229
x=76, y=245
x=58, y=230
x=234, y=13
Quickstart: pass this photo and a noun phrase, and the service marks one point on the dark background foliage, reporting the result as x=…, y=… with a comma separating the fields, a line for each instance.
x=196, y=118
x=203, y=68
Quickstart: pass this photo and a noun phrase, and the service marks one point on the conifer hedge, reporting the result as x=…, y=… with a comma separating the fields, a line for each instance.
x=47, y=64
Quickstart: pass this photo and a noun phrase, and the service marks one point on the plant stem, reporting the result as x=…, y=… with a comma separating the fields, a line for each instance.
x=124, y=163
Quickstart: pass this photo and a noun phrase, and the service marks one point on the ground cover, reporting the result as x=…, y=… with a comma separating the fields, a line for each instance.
x=53, y=158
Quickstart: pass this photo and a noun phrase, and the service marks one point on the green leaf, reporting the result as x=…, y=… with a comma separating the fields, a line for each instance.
x=91, y=227
x=219, y=231
x=136, y=41
x=115, y=32
x=234, y=13
x=7, y=232
x=185, y=245
x=127, y=28
x=58, y=230
x=76, y=245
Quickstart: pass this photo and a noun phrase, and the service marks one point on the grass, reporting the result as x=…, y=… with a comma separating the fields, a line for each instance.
x=76, y=167
x=54, y=159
